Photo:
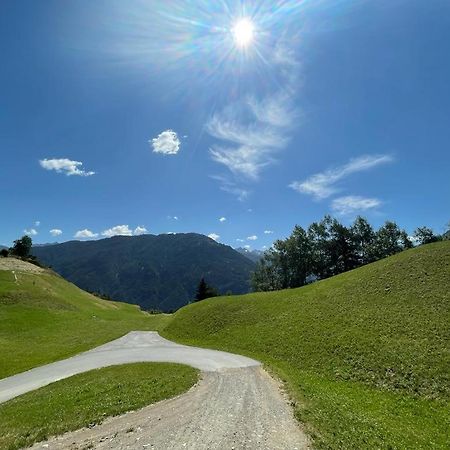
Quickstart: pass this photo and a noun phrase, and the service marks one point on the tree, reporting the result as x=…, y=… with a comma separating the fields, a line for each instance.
x=364, y=239
x=425, y=235
x=205, y=291
x=4, y=252
x=388, y=240
x=267, y=274
x=22, y=247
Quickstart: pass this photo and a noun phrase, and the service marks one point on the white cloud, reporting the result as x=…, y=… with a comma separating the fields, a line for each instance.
x=56, y=232
x=214, y=236
x=249, y=147
x=247, y=247
x=173, y=217
x=354, y=203
x=253, y=132
x=65, y=166
x=166, y=143
x=240, y=240
x=252, y=238
x=323, y=185
x=30, y=232
x=119, y=230
x=268, y=232
x=85, y=234
x=223, y=219
x=37, y=223
x=231, y=187
x=140, y=230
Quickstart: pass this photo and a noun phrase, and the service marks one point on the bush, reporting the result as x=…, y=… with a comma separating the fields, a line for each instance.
x=4, y=253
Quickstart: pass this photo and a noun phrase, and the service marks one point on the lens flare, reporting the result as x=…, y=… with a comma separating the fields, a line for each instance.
x=243, y=33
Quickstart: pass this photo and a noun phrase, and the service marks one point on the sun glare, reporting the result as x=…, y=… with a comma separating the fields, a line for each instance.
x=243, y=32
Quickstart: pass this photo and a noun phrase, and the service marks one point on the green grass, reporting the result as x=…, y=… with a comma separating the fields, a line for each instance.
x=87, y=399
x=44, y=318
x=365, y=355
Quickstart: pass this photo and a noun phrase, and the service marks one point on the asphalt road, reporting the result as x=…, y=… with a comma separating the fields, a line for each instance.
x=137, y=346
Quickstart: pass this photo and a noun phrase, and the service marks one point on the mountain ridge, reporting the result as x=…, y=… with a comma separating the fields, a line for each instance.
x=154, y=271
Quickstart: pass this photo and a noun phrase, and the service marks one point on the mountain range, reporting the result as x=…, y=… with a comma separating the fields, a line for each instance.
x=252, y=255
x=156, y=272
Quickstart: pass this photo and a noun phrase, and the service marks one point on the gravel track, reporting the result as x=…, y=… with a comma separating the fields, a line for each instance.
x=228, y=409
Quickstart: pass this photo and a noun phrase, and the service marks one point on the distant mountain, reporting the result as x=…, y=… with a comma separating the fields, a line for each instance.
x=252, y=255
x=3, y=247
x=159, y=272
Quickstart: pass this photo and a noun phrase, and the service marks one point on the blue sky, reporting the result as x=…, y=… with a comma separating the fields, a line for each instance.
x=130, y=117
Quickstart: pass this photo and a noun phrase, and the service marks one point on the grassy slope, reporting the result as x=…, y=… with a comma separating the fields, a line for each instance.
x=365, y=354
x=44, y=318
x=88, y=398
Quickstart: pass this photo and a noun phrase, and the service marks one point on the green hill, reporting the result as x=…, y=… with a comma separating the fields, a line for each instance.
x=159, y=272
x=44, y=318
x=365, y=355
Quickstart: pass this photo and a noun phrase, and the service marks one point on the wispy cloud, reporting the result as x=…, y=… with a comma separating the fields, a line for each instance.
x=353, y=203
x=231, y=187
x=85, y=234
x=223, y=219
x=214, y=236
x=37, y=223
x=252, y=238
x=252, y=133
x=65, y=166
x=56, y=232
x=268, y=232
x=323, y=185
x=30, y=232
x=166, y=143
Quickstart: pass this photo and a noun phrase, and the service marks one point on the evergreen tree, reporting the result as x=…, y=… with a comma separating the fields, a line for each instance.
x=205, y=291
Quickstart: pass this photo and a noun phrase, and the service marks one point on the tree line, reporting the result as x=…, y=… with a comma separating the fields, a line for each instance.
x=328, y=247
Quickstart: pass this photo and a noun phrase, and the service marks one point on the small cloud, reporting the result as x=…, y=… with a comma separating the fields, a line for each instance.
x=252, y=238
x=223, y=219
x=65, y=166
x=85, y=234
x=173, y=217
x=240, y=240
x=214, y=236
x=268, y=232
x=167, y=143
x=37, y=223
x=247, y=247
x=353, y=203
x=56, y=232
x=139, y=231
x=323, y=185
x=230, y=187
x=119, y=230
x=30, y=232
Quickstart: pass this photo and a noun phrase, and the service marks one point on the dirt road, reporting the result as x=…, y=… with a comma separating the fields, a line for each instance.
x=229, y=409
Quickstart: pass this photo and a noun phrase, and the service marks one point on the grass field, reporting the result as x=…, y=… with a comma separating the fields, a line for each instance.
x=87, y=399
x=365, y=355
x=44, y=318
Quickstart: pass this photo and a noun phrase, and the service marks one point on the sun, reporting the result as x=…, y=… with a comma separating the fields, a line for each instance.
x=243, y=33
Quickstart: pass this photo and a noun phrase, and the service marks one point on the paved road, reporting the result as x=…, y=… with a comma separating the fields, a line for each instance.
x=137, y=346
